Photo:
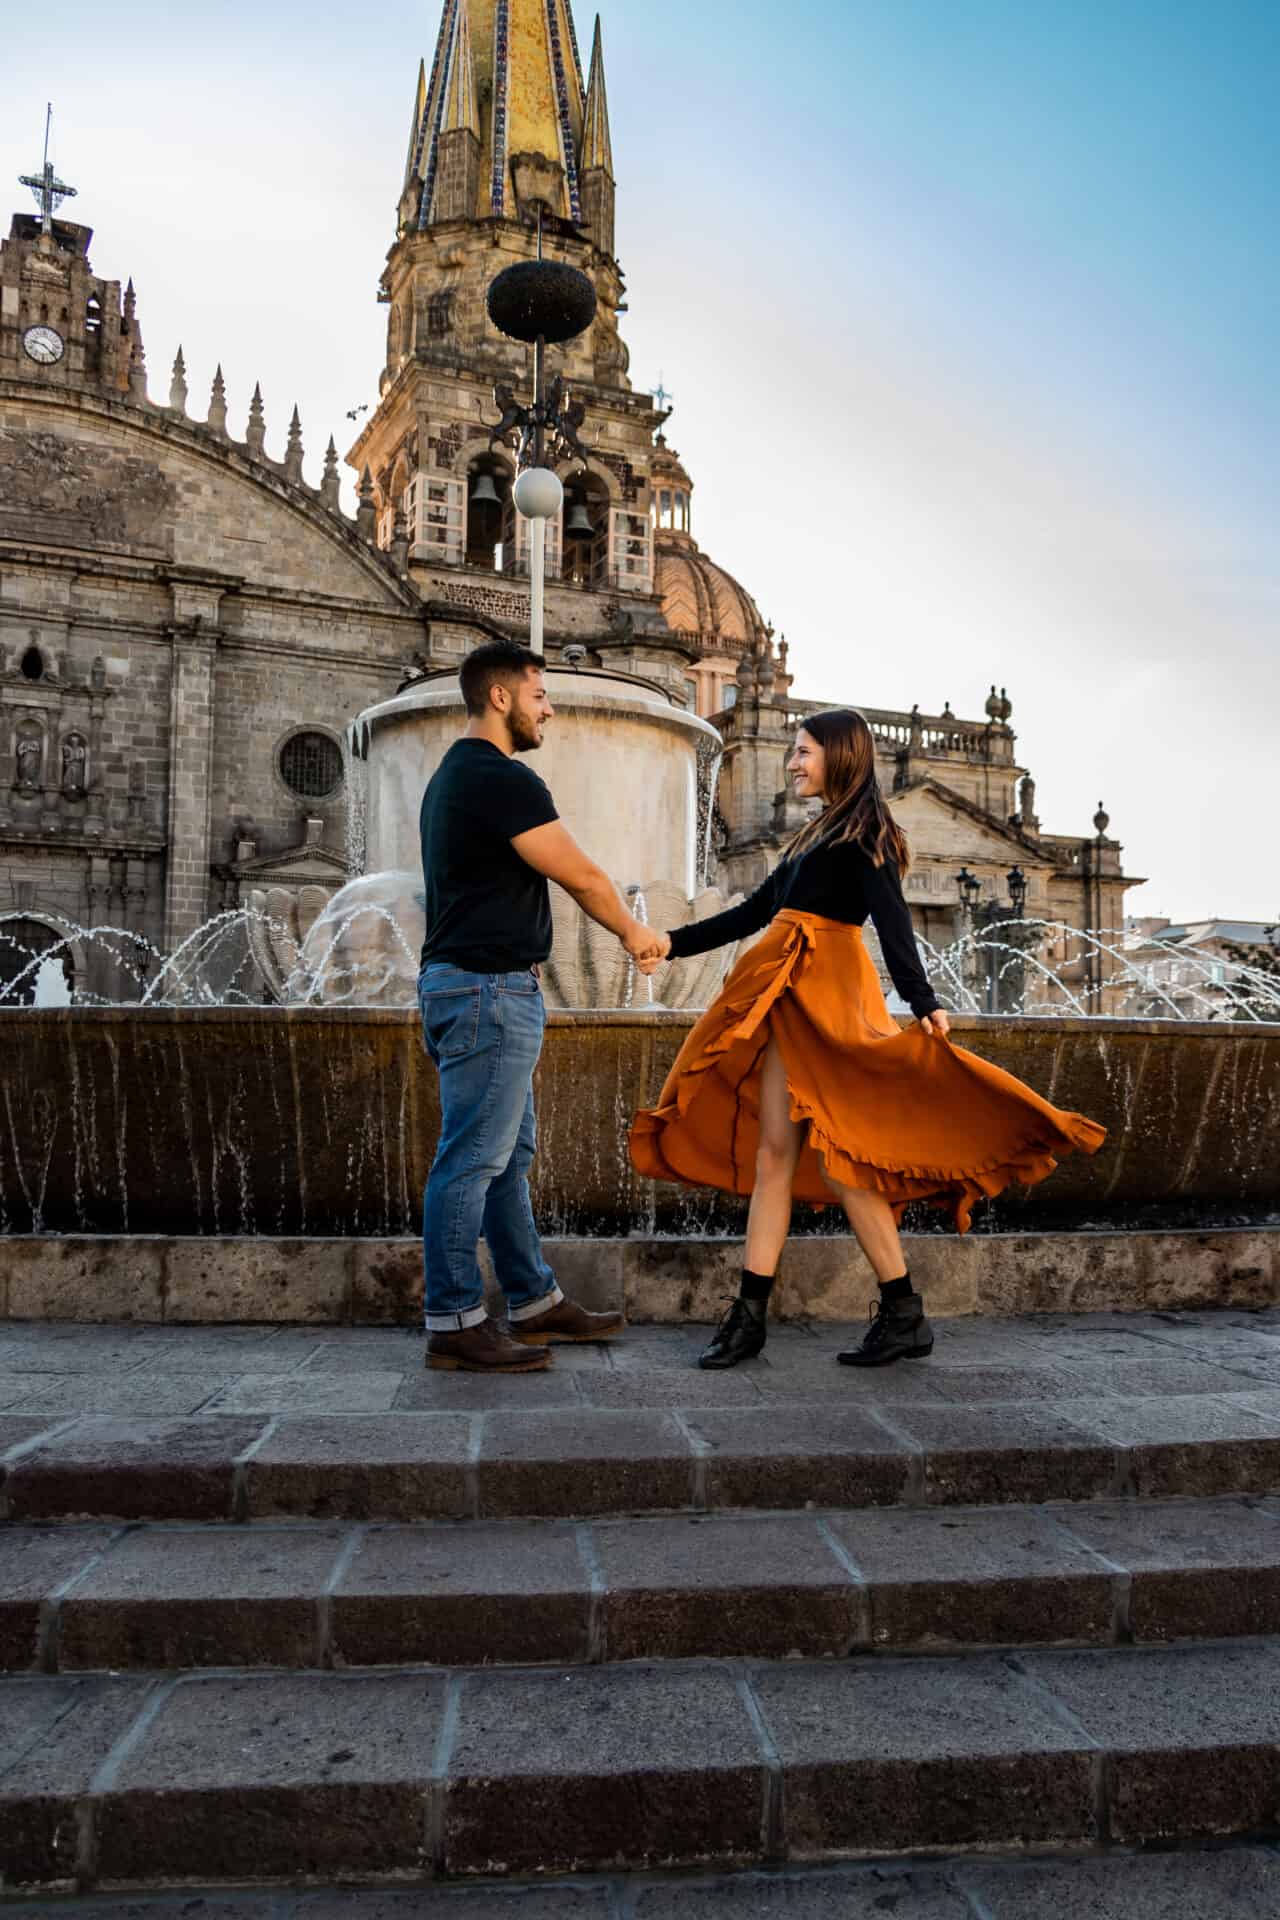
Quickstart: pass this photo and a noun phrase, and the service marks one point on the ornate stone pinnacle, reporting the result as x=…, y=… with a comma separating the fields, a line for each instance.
x=255, y=433
x=218, y=402
x=330, y=483
x=293, y=452
x=178, y=384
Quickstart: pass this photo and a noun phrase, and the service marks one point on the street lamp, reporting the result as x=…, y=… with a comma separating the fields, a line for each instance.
x=541, y=302
x=994, y=913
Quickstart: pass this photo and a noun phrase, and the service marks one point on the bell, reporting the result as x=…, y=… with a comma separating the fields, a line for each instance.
x=578, y=522
x=484, y=492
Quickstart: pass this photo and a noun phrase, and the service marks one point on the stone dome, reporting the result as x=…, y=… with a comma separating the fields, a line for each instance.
x=700, y=599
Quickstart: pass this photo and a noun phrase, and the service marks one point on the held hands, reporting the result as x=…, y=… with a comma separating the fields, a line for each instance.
x=646, y=946
x=935, y=1022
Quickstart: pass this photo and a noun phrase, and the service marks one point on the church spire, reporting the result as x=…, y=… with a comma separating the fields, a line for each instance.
x=461, y=114
x=528, y=139
x=597, y=154
x=597, y=147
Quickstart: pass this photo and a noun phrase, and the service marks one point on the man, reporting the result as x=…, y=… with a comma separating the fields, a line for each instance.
x=491, y=840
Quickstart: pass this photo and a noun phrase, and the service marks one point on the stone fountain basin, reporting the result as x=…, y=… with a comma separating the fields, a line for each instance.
x=314, y=1121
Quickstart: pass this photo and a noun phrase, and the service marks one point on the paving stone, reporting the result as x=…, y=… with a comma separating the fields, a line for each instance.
x=34, y=1561
x=672, y=1387
x=809, y=1894
x=132, y=1469
x=429, y=1391
x=1007, y=1453
x=309, y=1393
x=1147, y=1378
x=289, y=1777
x=220, y=1596
x=886, y=1755
x=142, y=1391
x=880, y=1386
x=1199, y=1568
x=17, y=1387
x=979, y=1386
x=1197, y=1444
x=1228, y=1885
x=711, y=1586
x=54, y=1736
x=994, y=1576
x=593, y=1768
x=77, y=1350
x=1193, y=1735
x=560, y=1902
x=782, y=1456
x=584, y=1462
x=465, y=1595
x=375, y=1349
x=388, y=1467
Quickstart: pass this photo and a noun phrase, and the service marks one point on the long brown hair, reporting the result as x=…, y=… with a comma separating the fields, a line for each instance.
x=855, y=808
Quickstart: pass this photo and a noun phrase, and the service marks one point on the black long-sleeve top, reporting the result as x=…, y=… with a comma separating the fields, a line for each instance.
x=841, y=883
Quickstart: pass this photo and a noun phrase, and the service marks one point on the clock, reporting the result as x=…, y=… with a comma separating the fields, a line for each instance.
x=44, y=345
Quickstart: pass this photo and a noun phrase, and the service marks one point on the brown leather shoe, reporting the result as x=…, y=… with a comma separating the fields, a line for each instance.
x=566, y=1321
x=485, y=1348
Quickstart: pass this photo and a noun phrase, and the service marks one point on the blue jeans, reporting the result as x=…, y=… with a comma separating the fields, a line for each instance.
x=484, y=1032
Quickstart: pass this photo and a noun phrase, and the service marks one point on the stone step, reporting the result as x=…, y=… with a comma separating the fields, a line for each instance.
x=837, y=1445
x=1223, y=1883
x=140, y=1781
x=329, y=1594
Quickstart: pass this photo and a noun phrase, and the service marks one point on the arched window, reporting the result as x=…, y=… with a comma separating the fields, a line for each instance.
x=586, y=531
x=490, y=513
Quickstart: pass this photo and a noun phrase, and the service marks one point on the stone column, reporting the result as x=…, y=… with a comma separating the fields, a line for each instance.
x=194, y=640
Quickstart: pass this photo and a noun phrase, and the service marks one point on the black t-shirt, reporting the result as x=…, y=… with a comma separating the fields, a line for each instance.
x=840, y=883
x=487, y=910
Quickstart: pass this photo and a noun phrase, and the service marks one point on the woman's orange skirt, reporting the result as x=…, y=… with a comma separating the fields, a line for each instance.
x=905, y=1114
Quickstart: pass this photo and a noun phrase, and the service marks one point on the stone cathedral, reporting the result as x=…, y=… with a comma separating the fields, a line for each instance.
x=187, y=624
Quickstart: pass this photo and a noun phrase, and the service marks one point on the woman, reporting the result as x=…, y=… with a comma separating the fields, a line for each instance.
x=798, y=1081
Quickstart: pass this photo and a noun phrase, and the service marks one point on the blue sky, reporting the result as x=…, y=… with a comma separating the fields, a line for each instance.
x=970, y=311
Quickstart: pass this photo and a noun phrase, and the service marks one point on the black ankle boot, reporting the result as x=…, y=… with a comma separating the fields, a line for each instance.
x=740, y=1335
x=898, y=1331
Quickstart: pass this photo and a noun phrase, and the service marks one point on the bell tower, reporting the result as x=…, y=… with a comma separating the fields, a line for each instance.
x=506, y=137
x=60, y=325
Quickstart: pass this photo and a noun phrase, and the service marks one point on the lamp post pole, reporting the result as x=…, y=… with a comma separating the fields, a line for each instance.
x=994, y=913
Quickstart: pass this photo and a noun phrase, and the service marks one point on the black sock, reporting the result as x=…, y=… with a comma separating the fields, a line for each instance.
x=755, y=1290
x=891, y=1290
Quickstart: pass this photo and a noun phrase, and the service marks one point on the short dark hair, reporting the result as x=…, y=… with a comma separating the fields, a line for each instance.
x=495, y=660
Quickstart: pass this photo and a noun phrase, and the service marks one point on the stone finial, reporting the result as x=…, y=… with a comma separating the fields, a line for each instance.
x=330, y=482
x=1101, y=820
x=781, y=678
x=218, y=402
x=293, y=451
x=399, y=548
x=130, y=303
x=178, y=384
x=366, y=511
x=255, y=433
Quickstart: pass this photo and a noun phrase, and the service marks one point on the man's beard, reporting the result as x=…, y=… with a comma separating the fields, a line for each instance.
x=524, y=734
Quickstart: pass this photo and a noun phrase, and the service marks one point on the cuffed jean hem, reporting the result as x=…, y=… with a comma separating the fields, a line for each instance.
x=456, y=1322
x=542, y=1304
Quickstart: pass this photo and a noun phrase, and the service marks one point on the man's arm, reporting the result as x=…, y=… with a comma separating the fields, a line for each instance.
x=553, y=851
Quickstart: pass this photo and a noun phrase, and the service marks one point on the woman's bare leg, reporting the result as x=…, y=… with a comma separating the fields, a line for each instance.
x=741, y=1334
x=875, y=1229
x=777, y=1156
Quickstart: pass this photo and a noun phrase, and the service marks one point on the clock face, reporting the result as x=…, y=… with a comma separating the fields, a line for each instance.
x=43, y=345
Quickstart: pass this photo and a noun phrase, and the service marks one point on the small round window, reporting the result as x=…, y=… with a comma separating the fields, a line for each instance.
x=311, y=765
